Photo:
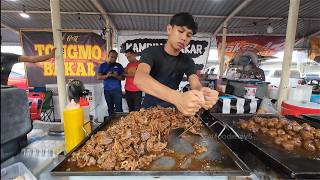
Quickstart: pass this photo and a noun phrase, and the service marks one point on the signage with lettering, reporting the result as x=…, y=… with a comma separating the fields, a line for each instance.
x=264, y=45
x=198, y=48
x=83, y=52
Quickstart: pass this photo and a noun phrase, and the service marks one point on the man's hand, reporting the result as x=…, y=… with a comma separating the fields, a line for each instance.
x=109, y=74
x=114, y=73
x=52, y=53
x=210, y=97
x=190, y=102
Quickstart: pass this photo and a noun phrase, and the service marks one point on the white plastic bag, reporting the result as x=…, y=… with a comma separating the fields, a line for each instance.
x=266, y=107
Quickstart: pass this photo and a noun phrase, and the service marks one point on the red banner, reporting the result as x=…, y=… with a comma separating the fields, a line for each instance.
x=264, y=45
x=83, y=52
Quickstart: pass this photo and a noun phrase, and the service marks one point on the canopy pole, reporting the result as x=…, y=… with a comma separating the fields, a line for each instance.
x=108, y=36
x=223, y=49
x=287, y=57
x=59, y=62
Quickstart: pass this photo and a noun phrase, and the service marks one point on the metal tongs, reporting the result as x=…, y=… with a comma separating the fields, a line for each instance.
x=180, y=131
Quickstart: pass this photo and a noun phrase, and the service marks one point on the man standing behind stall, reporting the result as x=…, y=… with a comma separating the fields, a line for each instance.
x=112, y=74
x=133, y=93
x=162, y=68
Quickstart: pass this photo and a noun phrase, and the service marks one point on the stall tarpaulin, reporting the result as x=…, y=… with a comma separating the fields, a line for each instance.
x=198, y=48
x=83, y=52
x=264, y=45
x=314, y=50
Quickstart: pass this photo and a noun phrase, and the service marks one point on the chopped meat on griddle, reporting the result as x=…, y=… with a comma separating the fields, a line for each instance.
x=136, y=140
x=199, y=149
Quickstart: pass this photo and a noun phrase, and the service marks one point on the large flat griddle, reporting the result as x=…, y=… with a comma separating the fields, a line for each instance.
x=295, y=164
x=218, y=160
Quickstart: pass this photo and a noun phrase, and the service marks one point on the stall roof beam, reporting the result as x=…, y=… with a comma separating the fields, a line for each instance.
x=232, y=14
x=9, y=27
x=161, y=15
x=48, y=12
x=251, y=34
x=313, y=34
x=213, y=17
x=104, y=14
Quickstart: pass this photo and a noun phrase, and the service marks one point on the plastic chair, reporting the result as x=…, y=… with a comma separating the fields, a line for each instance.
x=47, y=110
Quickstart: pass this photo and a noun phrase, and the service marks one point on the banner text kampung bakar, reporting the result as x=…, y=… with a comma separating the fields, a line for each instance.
x=190, y=49
x=73, y=51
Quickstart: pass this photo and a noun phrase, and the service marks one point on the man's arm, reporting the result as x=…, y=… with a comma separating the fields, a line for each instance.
x=35, y=59
x=148, y=84
x=188, y=103
x=194, y=82
x=117, y=76
x=119, y=73
x=100, y=76
x=125, y=72
x=128, y=74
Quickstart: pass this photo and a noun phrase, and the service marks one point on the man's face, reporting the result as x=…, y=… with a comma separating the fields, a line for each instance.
x=113, y=57
x=179, y=36
x=131, y=56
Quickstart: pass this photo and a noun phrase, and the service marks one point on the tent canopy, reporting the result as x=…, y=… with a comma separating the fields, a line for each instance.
x=247, y=17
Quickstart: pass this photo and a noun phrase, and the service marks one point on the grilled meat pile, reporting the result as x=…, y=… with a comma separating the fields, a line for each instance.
x=134, y=141
x=288, y=134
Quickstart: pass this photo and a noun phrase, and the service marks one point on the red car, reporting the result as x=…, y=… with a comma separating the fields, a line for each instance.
x=18, y=80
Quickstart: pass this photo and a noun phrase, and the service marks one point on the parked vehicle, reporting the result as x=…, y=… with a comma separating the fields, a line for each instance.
x=311, y=76
x=274, y=75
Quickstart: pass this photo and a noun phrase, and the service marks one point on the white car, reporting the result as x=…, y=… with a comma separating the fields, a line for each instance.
x=273, y=76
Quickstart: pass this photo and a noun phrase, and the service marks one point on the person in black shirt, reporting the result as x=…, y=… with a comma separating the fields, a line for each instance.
x=162, y=69
x=9, y=59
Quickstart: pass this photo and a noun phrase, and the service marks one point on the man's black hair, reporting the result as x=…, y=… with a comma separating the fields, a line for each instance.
x=184, y=19
x=130, y=50
x=113, y=51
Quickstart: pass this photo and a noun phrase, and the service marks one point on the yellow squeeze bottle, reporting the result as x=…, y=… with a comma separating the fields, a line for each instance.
x=73, y=122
